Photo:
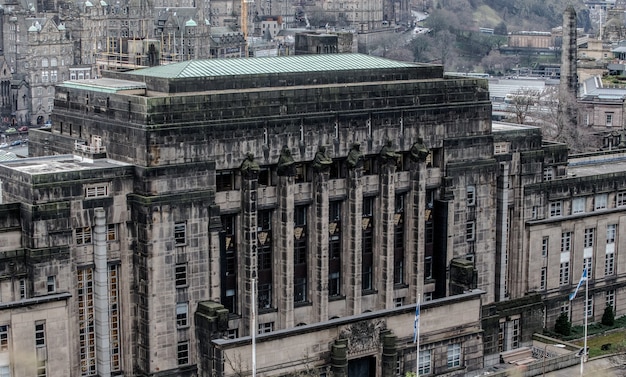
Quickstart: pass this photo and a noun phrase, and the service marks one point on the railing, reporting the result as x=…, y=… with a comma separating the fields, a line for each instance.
x=88, y=148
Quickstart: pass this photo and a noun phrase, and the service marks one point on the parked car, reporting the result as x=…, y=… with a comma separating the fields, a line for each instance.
x=16, y=143
x=10, y=130
x=23, y=129
x=46, y=126
x=3, y=145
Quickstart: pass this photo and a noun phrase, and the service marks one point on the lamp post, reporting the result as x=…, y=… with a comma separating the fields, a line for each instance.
x=545, y=349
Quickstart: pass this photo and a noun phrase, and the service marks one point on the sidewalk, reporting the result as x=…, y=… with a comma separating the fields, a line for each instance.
x=609, y=366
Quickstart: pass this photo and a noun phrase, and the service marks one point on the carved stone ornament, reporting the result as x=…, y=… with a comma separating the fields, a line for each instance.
x=363, y=336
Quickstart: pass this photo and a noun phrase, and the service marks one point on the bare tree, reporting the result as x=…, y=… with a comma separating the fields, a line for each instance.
x=522, y=102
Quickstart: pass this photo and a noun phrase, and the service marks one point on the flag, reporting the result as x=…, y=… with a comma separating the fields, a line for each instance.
x=416, y=323
x=582, y=278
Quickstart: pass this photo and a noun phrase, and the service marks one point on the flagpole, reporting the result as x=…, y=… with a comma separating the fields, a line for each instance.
x=253, y=326
x=582, y=357
x=417, y=338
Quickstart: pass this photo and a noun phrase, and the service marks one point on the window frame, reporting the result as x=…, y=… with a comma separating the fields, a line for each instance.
x=182, y=315
x=454, y=355
x=180, y=233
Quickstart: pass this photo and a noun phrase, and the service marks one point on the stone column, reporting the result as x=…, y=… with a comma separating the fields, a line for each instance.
x=352, y=267
x=101, y=294
x=390, y=354
x=319, y=282
x=384, y=251
x=247, y=269
x=283, y=252
x=339, y=358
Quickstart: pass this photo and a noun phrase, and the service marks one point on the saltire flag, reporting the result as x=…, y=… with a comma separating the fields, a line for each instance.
x=582, y=279
x=416, y=323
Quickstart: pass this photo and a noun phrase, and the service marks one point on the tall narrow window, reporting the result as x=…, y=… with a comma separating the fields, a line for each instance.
x=398, y=240
x=600, y=201
x=425, y=362
x=471, y=195
x=86, y=323
x=51, y=284
x=555, y=209
x=544, y=246
x=334, y=248
x=578, y=205
x=544, y=277
x=180, y=233
x=367, y=247
x=182, y=353
x=454, y=355
x=182, y=314
x=300, y=232
x=470, y=231
x=4, y=338
x=609, y=250
x=23, y=291
x=264, y=258
x=114, y=318
x=610, y=298
x=229, y=262
x=40, y=334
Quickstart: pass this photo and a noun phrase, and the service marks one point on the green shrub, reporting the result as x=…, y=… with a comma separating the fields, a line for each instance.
x=562, y=325
x=608, y=317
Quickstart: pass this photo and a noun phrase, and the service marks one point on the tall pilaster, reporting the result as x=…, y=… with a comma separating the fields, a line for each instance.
x=284, y=251
x=215, y=226
x=248, y=269
x=353, y=267
x=101, y=293
x=417, y=208
x=320, y=248
x=386, y=252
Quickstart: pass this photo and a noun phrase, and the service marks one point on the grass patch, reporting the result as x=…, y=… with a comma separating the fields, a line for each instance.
x=601, y=340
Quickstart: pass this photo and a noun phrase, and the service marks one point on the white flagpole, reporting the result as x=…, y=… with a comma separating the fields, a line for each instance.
x=253, y=326
x=417, y=338
x=582, y=357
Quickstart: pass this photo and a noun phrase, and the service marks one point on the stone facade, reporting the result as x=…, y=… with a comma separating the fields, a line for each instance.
x=331, y=251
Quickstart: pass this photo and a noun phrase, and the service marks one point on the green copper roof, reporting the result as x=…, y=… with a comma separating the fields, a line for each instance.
x=269, y=65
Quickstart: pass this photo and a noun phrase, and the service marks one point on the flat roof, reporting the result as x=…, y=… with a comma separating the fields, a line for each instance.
x=105, y=85
x=270, y=65
x=503, y=127
x=597, y=165
x=58, y=164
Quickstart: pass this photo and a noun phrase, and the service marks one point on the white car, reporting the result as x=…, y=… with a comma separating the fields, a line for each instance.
x=3, y=145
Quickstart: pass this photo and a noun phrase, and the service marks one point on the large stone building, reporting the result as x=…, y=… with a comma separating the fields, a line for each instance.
x=196, y=180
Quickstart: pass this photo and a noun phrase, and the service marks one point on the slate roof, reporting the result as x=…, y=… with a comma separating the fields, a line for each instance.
x=269, y=65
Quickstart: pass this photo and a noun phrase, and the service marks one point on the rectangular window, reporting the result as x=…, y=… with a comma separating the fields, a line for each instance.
x=334, y=248
x=600, y=201
x=589, y=307
x=425, y=363
x=564, y=273
x=111, y=232
x=578, y=205
x=610, y=233
x=587, y=264
x=224, y=180
x=180, y=233
x=566, y=242
x=610, y=299
x=334, y=281
x=454, y=355
x=398, y=239
x=548, y=173
x=609, y=263
x=620, y=199
x=182, y=312
x=180, y=272
x=41, y=368
x=40, y=334
x=300, y=268
x=500, y=148
x=299, y=290
x=544, y=277
x=367, y=246
x=428, y=267
x=264, y=328
x=23, y=292
x=265, y=296
x=83, y=235
x=555, y=209
x=97, y=191
x=4, y=338
x=589, y=237
x=470, y=229
x=86, y=322
x=183, y=353
x=609, y=119
x=5, y=371
x=51, y=284
x=471, y=195
x=114, y=318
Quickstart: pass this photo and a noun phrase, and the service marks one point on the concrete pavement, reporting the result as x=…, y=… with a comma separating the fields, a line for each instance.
x=607, y=366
